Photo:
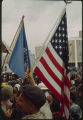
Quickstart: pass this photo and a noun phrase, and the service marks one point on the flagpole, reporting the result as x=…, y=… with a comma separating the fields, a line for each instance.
x=6, y=58
x=76, y=64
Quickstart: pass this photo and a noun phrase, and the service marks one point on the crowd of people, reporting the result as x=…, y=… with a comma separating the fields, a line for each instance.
x=76, y=108
x=31, y=99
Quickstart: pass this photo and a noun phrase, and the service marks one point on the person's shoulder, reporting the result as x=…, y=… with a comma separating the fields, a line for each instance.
x=75, y=107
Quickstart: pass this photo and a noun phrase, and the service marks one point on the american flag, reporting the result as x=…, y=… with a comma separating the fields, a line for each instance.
x=52, y=66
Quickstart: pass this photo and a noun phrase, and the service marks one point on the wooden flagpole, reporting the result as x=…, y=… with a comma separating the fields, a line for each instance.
x=7, y=55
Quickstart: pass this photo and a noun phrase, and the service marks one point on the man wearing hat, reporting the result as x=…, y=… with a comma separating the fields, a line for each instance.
x=30, y=101
x=6, y=104
x=45, y=109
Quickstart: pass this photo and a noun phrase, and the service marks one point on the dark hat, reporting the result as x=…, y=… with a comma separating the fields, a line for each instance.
x=34, y=94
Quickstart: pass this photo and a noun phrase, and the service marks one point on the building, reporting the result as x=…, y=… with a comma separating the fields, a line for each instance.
x=32, y=58
x=80, y=34
x=75, y=49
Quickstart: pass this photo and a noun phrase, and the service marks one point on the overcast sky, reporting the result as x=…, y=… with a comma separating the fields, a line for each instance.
x=40, y=17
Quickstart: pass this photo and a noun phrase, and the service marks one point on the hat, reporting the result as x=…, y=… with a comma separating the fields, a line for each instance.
x=42, y=86
x=17, y=86
x=3, y=84
x=34, y=95
x=7, y=92
x=72, y=82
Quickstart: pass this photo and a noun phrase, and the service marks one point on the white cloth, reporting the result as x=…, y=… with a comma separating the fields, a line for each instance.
x=17, y=86
x=45, y=109
x=44, y=113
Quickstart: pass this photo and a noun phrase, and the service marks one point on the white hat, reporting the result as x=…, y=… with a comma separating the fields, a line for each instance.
x=42, y=86
x=17, y=86
x=72, y=82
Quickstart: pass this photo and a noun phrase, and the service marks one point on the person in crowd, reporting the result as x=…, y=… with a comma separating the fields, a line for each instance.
x=49, y=100
x=29, y=78
x=10, y=76
x=19, y=81
x=46, y=92
x=6, y=104
x=3, y=85
x=16, y=89
x=12, y=83
x=4, y=79
x=78, y=79
x=37, y=80
x=79, y=97
x=75, y=110
x=46, y=107
x=29, y=102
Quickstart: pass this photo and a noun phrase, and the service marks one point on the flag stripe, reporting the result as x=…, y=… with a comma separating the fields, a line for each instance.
x=61, y=108
x=54, y=91
x=48, y=77
x=66, y=101
x=67, y=92
x=55, y=55
x=53, y=68
x=66, y=111
x=51, y=73
x=66, y=82
x=54, y=61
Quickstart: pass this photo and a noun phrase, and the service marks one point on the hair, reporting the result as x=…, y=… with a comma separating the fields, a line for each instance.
x=72, y=97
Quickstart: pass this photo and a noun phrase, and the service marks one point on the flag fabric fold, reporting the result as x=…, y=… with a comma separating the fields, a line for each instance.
x=20, y=61
x=52, y=66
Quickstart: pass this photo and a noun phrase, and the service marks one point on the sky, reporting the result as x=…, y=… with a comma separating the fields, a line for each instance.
x=40, y=17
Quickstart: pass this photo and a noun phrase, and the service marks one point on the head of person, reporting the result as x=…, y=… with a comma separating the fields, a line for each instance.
x=4, y=78
x=12, y=83
x=7, y=96
x=16, y=89
x=72, y=98
x=30, y=100
x=49, y=97
x=19, y=80
x=7, y=92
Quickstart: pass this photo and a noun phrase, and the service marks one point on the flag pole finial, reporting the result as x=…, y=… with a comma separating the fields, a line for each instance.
x=67, y=1
x=23, y=17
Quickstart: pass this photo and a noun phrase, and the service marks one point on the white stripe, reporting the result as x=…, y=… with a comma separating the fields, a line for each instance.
x=52, y=67
x=66, y=112
x=67, y=92
x=53, y=52
x=48, y=77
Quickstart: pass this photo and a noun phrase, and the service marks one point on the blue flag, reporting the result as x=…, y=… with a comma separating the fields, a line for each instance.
x=20, y=61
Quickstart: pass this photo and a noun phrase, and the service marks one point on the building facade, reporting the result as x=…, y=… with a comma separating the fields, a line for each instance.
x=75, y=49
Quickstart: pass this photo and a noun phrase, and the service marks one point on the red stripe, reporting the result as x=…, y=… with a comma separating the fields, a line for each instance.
x=66, y=100
x=54, y=61
x=67, y=82
x=61, y=108
x=45, y=81
x=50, y=72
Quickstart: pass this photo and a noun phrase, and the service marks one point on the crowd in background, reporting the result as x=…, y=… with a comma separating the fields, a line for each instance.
x=12, y=86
